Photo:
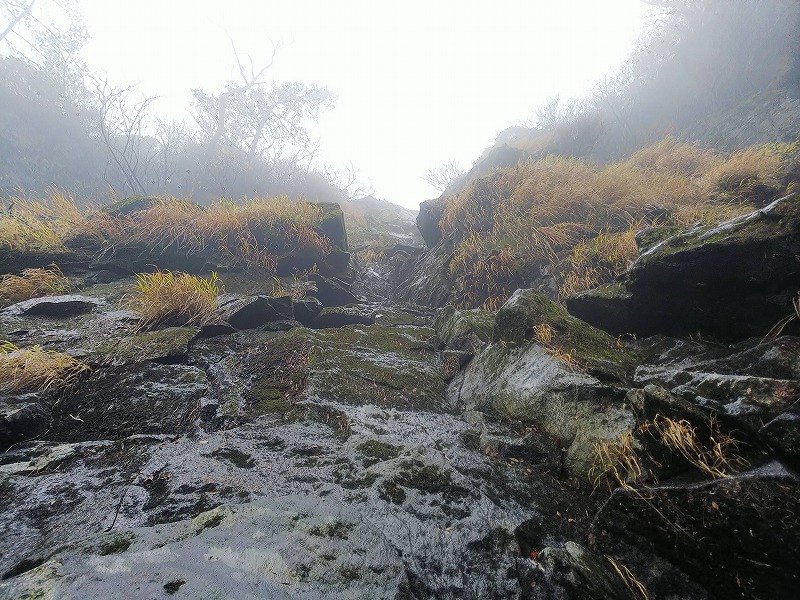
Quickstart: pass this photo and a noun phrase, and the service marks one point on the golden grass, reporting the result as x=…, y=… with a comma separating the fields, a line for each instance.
x=253, y=234
x=716, y=457
x=578, y=220
x=33, y=283
x=166, y=299
x=635, y=587
x=36, y=369
x=50, y=223
x=232, y=231
x=616, y=462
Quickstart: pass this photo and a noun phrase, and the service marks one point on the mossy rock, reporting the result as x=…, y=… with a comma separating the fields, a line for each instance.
x=731, y=281
x=519, y=321
x=384, y=366
x=332, y=224
x=282, y=370
x=162, y=345
x=114, y=543
x=467, y=330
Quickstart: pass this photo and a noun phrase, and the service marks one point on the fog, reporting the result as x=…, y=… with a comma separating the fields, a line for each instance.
x=416, y=84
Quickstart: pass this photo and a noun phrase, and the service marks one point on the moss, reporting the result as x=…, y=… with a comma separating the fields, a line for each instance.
x=384, y=366
x=115, y=543
x=349, y=573
x=173, y=586
x=271, y=405
x=163, y=344
x=464, y=329
x=590, y=348
x=281, y=367
x=377, y=451
x=428, y=479
x=390, y=491
x=332, y=529
x=397, y=316
x=209, y=519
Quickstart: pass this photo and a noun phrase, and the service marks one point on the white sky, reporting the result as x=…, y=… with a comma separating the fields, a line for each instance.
x=418, y=82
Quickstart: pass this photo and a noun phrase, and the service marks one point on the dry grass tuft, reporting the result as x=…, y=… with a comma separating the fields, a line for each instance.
x=576, y=220
x=166, y=299
x=33, y=283
x=635, y=587
x=716, y=458
x=252, y=235
x=36, y=369
x=49, y=224
x=616, y=462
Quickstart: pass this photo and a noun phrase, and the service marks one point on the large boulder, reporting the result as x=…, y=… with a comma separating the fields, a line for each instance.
x=332, y=224
x=254, y=311
x=554, y=371
x=68, y=305
x=331, y=292
x=430, y=213
x=732, y=281
x=21, y=420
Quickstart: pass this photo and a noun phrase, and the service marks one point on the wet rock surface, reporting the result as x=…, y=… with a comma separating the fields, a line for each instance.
x=386, y=450
x=304, y=463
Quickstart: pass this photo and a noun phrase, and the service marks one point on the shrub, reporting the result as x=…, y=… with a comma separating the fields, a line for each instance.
x=34, y=368
x=165, y=299
x=33, y=283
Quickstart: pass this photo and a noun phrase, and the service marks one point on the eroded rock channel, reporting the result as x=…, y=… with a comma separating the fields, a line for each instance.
x=353, y=446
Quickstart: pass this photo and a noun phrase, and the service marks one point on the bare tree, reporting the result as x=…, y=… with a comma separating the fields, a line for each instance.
x=15, y=13
x=441, y=177
x=121, y=126
x=172, y=139
x=261, y=119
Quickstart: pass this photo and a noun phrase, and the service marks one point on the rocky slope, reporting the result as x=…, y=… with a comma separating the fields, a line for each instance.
x=349, y=445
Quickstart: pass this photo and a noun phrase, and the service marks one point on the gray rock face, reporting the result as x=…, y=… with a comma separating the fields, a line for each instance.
x=53, y=306
x=307, y=463
x=753, y=386
x=424, y=278
x=529, y=384
x=733, y=281
x=254, y=311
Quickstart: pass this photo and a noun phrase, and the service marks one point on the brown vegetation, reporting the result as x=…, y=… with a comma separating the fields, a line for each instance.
x=576, y=221
x=36, y=369
x=165, y=299
x=33, y=283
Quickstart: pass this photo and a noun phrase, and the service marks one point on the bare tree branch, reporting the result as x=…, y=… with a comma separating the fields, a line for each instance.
x=15, y=20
